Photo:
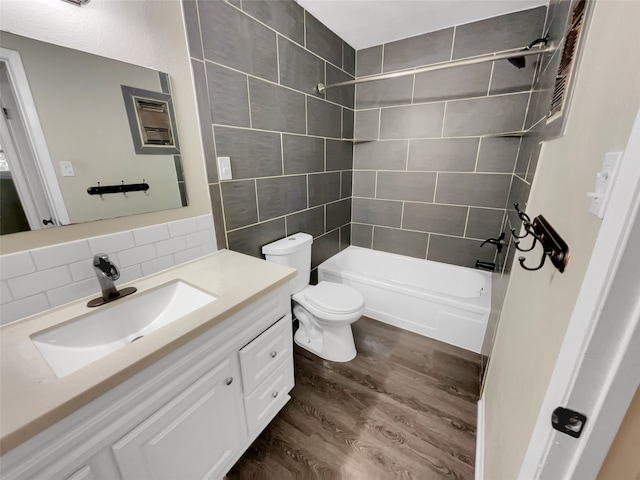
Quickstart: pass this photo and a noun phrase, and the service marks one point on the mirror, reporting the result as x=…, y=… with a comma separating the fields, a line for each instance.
x=82, y=138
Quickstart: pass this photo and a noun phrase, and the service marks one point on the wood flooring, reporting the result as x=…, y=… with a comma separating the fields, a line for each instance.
x=405, y=407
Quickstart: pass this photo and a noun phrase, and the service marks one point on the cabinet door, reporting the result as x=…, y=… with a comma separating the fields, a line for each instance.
x=191, y=437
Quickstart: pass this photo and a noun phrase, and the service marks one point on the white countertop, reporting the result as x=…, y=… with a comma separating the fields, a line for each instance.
x=33, y=398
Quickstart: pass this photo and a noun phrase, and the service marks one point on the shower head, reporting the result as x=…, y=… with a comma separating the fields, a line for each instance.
x=520, y=62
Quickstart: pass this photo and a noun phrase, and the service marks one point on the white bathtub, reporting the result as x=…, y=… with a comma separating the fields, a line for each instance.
x=437, y=300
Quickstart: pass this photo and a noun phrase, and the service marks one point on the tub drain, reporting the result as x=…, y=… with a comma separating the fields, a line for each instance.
x=137, y=338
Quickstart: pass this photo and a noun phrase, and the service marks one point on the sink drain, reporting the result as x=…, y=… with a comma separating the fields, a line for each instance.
x=137, y=338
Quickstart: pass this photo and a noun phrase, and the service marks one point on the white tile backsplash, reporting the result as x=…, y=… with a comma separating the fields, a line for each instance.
x=16, y=264
x=111, y=243
x=62, y=254
x=33, y=281
x=5, y=294
x=152, y=234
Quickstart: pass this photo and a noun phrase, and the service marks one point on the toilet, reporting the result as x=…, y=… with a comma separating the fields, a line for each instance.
x=325, y=311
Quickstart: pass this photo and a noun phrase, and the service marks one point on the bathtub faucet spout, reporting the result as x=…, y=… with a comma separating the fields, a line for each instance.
x=489, y=266
x=498, y=242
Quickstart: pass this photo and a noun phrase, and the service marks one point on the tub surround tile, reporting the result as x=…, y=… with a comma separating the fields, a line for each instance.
x=457, y=251
x=338, y=213
x=325, y=247
x=233, y=39
x=364, y=183
x=253, y=153
x=347, y=123
x=508, y=79
x=228, y=96
x=348, y=59
x=445, y=219
x=425, y=49
x=385, y=93
x=323, y=118
x=308, y=221
x=286, y=17
x=484, y=223
x=416, y=186
x=446, y=154
x=498, y=155
x=369, y=61
x=361, y=235
x=377, y=212
x=481, y=190
x=249, y=240
x=218, y=218
x=302, y=154
x=276, y=108
x=499, y=33
x=345, y=236
x=192, y=22
x=453, y=83
x=323, y=188
x=322, y=41
x=402, y=242
x=384, y=155
x=413, y=121
x=346, y=183
x=367, y=124
x=281, y=195
x=339, y=155
x=299, y=69
x=342, y=95
x=481, y=116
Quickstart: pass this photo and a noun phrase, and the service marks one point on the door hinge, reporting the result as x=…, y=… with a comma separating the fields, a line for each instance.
x=568, y=421
x=5, y=112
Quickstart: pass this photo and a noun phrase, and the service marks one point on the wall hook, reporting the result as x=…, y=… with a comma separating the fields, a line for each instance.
x=522, y=259
x=124, y=192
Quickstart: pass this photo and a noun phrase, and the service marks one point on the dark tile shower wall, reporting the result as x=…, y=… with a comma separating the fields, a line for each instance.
x=256, y=65
x=428, y=182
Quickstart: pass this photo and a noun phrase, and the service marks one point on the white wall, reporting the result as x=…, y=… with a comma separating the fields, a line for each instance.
x=143, y=32
x=539, y=304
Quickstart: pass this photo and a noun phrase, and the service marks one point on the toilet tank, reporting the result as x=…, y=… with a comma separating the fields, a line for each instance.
x=292, y=251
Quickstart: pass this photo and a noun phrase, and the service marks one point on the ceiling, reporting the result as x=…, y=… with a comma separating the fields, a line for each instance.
x=365, y=23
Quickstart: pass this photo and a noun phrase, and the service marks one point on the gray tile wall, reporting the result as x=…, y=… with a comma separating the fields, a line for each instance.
x=431, y=179
x=256, y=64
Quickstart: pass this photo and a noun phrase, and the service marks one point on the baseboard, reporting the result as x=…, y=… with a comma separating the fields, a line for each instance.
x=479, y=469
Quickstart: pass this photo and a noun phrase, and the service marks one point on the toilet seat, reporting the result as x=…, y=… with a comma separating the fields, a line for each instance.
x=331, y=301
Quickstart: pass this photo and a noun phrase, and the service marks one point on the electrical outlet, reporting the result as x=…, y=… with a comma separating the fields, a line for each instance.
x=224, y=168
x=66, y=168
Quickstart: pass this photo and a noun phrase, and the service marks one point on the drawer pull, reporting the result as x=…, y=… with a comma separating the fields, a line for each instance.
x=229, y=381
x=274, y=394
x=273, y=354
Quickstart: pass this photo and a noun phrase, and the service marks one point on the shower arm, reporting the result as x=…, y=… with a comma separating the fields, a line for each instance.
x=489, y=57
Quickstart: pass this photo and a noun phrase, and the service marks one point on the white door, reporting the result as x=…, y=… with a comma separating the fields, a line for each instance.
x=598, y=369
x=191, y=437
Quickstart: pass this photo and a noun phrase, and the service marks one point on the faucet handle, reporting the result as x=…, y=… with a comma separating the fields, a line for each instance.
x=102, y=263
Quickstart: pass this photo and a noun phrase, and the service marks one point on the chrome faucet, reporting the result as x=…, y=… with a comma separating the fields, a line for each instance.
x=107, y=274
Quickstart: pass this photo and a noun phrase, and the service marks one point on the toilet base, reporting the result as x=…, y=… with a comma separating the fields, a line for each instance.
x=339, y=346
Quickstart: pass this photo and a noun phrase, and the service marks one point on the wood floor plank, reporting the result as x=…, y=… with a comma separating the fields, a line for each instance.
x=405, y=407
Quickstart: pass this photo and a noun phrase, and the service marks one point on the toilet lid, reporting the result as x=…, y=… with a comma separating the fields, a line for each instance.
x=334, y=298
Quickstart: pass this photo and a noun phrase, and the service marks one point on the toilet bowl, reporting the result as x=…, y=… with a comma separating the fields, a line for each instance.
x=325, y=311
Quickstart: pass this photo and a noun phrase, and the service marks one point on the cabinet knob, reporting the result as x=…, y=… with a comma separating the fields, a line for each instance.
x=229, y=381
x=274, y=394
x=273, y=354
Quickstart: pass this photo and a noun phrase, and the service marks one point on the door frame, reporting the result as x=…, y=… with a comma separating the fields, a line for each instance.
x=610, y=385
x=33, y=129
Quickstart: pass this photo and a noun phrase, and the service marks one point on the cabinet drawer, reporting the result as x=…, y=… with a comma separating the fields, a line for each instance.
x=261, y=356
x=266, y=401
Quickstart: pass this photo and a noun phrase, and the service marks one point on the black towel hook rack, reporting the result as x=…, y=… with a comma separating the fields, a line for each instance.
x=542, y=232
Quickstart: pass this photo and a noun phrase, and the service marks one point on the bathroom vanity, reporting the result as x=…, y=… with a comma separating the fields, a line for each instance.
x=184, y=401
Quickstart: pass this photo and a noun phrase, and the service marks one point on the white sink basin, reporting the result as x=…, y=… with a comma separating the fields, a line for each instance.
x=71, y=346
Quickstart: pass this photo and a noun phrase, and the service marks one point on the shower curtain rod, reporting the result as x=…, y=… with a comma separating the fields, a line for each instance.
x=489, y=57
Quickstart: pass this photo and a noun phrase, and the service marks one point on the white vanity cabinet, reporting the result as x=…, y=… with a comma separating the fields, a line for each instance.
x=190, y=415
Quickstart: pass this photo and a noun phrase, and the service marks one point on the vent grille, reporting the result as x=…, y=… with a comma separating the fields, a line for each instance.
x=571, y=44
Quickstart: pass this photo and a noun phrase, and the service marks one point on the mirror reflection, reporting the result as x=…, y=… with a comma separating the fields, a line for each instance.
x=67, y=132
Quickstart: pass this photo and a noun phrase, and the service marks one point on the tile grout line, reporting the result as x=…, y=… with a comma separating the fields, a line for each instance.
x=249, y=102
x=453, y=42
x=466, y=223
x=475, y=166
x=435, y=188
x=493, y=65
x=444, y=116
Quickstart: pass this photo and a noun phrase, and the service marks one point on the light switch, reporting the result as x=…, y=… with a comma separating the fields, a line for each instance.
x=66, y=168
x=604, y=184
x=224, y=168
